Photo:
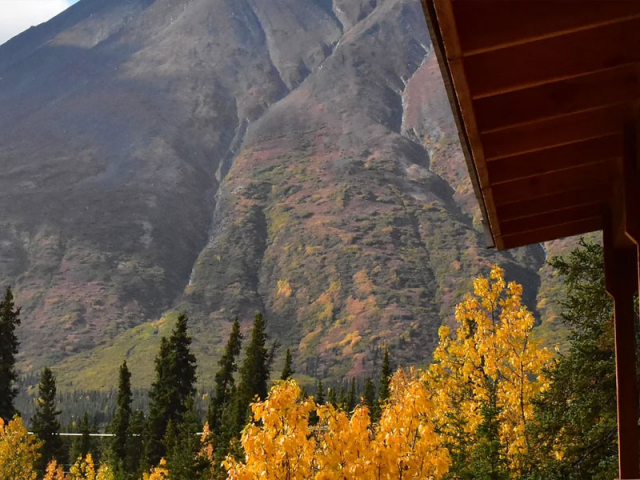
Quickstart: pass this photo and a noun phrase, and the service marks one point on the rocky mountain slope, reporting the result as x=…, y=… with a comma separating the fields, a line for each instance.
x=221, y=157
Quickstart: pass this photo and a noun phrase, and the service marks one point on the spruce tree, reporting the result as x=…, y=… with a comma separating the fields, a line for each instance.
x=9, y=320
x=175, y=382
x=182, y=445
x=578, y=411
x=342, y=398
x=135, y=445
x=369, y=394
x=352, y=401
x=385, y=377
x=254, y=372
x=488, y=459
x=45, y=422
x=83, y=445
x=320, y=398
x=331, y=397
x=224, y=382
x=121, y=420
x=288, y=370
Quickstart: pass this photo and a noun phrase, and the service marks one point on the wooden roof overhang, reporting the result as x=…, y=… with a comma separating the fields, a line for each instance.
x=542, y=92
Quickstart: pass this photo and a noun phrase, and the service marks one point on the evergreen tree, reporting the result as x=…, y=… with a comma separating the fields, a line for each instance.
x=385, y=378
x=369, y=394
x=351, y=397
x=135, y=445
x=9, y=320
x=287, y=371
x=224, y=382
x=175, y=382
x=45, y=422
x=320, y=398
x=578, y=412
x=121, y=420
x=342, y=398
x=83, y=445
x=182, y=445
x=488, y=460
x=331, y=397
x=254, y=372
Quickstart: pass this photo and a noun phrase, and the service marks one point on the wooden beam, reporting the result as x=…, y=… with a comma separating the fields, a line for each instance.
x=555, y=131
x=596, y=194
x=552, y=233
x=631, y=181
x=610, y=87
x=491, y=24
x=553, y=59
x=583, y=176
x=621, y=277
x=554, y=159
x=441, y=17
x=552, y=219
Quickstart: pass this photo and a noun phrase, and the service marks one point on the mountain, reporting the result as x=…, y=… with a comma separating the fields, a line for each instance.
x=296, y=157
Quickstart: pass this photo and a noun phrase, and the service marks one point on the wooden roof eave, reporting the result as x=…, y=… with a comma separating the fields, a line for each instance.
x=463, y=134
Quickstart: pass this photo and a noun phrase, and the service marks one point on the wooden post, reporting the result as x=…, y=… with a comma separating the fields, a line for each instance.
x=621, y=276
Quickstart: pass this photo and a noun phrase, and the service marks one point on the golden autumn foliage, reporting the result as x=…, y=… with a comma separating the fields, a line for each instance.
x=490, y=364
x=54, y=471
x=491, y=359
x=82, y=469
x=280, y=444
x=158, y=473
x=18, y=451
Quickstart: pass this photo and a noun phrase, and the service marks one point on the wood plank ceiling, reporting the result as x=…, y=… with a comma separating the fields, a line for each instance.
x=542, y=91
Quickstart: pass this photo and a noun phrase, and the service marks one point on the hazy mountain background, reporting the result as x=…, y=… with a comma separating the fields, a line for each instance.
x=296, y=157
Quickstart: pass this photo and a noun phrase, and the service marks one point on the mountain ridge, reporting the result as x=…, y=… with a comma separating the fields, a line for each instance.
x=297, y=158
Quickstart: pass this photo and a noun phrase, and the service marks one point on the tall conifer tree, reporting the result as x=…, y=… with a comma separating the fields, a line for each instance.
x=369, y=394
x=224, y=382
x=254, y=372
x=352, y=401
x=83, y=445
x=135, y=445
x=175, y=382
x=320, y=397
x=122, y=419
x=183, y=445
x=288, y=370
x=45, y=421
x=385, y=377
x=9, y=320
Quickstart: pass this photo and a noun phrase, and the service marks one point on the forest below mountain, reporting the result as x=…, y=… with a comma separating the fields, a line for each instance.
x=493, y=404
x=218, y=157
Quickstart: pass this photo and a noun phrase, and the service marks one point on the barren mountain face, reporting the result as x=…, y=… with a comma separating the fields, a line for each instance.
x=222, y=157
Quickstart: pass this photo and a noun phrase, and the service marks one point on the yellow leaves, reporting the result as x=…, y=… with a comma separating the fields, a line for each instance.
x=158, y=473
x=18, y=451
x=490, y=358
x=492, y=349
x=84, y=469
x=54, y=471
x=281, y=445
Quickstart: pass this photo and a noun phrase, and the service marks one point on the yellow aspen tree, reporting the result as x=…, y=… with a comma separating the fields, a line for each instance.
x=406, y=444
x=54, y=471
x=161, y=472
x=492, y=359
x=279, y=443
x=18, y=451
x=206, y=450
x=344, y=444
x=83, y=469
